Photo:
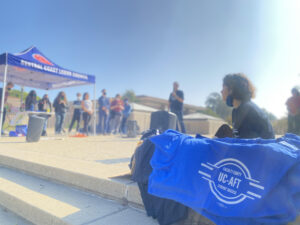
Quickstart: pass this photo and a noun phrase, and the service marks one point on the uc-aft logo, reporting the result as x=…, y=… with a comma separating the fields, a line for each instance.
x=230, y=181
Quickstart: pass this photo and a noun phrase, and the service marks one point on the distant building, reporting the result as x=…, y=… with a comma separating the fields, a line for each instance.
x=142, y=114
x=162, y=104
x=199, y=123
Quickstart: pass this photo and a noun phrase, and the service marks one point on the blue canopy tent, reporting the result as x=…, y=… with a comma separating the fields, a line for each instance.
x=31, y=68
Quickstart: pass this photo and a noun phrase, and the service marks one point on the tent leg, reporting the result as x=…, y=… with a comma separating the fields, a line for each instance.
x=3, y=95
x=95, y=114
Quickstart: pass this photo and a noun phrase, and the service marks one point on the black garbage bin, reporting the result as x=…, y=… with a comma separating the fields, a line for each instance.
x=35, y=128
x=163, y=120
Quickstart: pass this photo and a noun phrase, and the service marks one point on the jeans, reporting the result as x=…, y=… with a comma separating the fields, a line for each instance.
x=60, y=118
x=86, y=120
x=45, y=123
x=76, y=117
x=123, y=125
x=115, y=123
x=103, y=122
x=179, y=115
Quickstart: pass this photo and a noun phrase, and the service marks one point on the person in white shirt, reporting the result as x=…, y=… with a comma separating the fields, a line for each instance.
x=87, y=108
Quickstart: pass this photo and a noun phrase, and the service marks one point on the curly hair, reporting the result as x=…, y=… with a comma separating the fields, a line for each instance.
x=240, y=86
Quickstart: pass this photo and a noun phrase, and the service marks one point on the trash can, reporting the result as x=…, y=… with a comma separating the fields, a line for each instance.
x=35, y=128
x=163, y=120
x=132, y=128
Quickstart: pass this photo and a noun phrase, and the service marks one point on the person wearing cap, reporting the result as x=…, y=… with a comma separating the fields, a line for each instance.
x=9, y=86
x=103, y=112
x=176, y=105
x=293, y=107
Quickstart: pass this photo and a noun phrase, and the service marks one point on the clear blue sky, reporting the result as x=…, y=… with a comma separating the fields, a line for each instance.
x=146, y=45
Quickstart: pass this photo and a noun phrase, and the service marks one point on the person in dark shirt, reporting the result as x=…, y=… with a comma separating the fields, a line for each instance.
x=44, y=105
x=76, y=113
x=126, y=113
x=104, y=106
x=248, y=120
x=30, y=101
x=9, y=86
x=60, y=105
x=176, y=105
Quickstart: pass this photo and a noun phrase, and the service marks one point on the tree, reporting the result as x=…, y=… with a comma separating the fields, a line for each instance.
x=215, y=103
x=130, y=95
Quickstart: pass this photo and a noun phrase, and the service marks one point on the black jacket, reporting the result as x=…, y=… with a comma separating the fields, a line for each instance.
x=165, y=211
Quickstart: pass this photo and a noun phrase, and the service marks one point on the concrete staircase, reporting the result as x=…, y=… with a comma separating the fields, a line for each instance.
x=46, y=188
x=43, y=202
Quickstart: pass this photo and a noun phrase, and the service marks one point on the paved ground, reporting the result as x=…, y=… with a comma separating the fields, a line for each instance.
x=96, y=164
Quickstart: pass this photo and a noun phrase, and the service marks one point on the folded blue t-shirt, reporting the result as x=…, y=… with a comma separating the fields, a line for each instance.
x=230, y=181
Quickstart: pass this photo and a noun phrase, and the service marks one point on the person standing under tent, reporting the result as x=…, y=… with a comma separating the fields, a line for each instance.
x=116, y=108
x=9, y=86
x=30, y=101
x=176, y=105
x=126, y=113
x=87, y=108
x=60, y=105
x=293, y=107
x=76, y=113
x=103, y=112
x=44, y=105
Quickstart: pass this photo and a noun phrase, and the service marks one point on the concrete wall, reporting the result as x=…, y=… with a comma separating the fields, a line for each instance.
x=202, y=126
x=142, y=118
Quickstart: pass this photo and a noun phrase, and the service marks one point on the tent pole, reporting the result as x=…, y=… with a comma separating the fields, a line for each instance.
x=95, y=114
x=22, y=94
x=3, y=95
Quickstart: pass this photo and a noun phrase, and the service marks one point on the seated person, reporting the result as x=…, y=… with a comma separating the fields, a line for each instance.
x=248, y=120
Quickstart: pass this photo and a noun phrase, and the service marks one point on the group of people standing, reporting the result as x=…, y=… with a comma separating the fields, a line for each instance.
x=83, y=107
x=113, y=114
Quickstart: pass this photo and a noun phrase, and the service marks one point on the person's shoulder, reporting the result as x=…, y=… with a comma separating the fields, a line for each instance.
x=247, y=108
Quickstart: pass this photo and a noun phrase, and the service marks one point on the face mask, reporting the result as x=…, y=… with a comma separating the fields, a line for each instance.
x=8, y=89
x=79, y=98
x=229, y=101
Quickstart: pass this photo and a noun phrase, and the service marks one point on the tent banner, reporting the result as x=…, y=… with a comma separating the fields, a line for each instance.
x=43, y=65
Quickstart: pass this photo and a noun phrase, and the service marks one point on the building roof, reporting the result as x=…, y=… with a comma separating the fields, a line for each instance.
x=200, y=116
x=138, y=107
x=144, y=99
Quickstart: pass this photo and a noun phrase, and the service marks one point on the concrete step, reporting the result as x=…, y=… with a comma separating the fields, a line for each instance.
x=43, y=202
x=102, y=179
x=9, y=218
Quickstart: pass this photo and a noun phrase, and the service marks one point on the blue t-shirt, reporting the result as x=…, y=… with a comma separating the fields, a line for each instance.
x=127, y=110
x=230, y=181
